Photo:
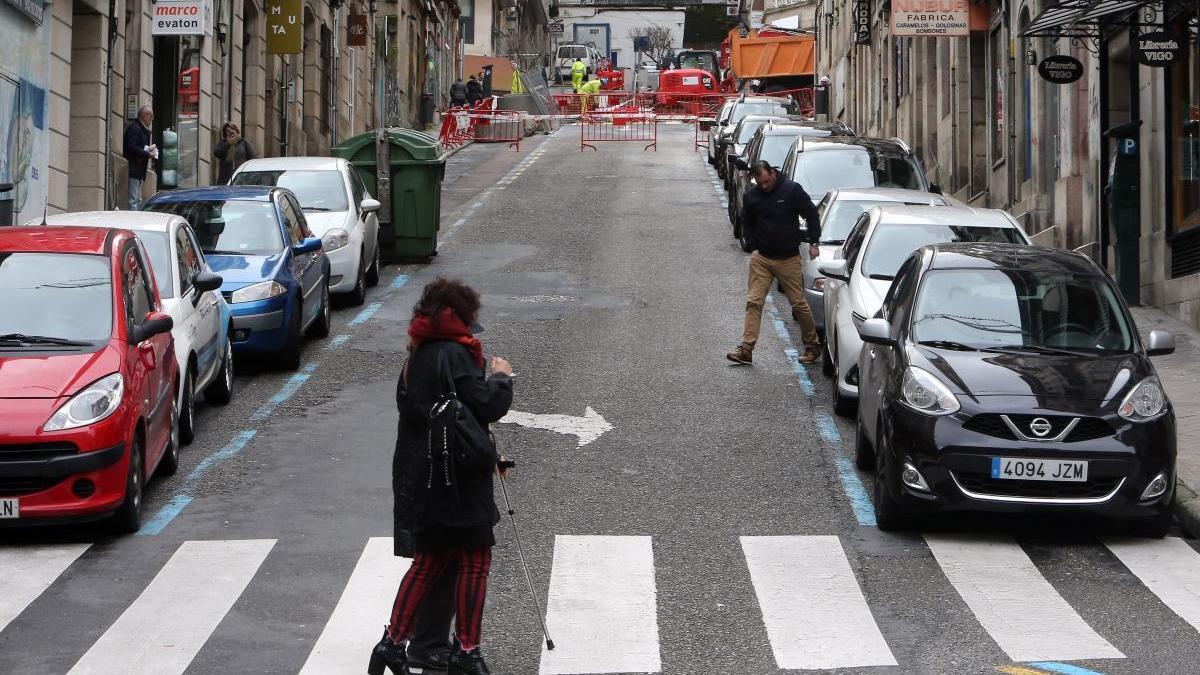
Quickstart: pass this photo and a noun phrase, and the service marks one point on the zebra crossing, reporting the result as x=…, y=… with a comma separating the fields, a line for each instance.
x=602, y=604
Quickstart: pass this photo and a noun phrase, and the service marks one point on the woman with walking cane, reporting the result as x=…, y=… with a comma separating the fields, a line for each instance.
x=442, y=472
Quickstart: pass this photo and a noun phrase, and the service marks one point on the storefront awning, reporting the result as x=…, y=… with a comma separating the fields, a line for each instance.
x=1081, y=18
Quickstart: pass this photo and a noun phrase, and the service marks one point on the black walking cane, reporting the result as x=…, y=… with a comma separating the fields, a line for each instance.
x=508, y=464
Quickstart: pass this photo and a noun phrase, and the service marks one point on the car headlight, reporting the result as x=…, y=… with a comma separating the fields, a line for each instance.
x=99, y=400
x=260, y=291
x=1145, y=401
x=335, y=239
x=818, y=284
x=925, y=393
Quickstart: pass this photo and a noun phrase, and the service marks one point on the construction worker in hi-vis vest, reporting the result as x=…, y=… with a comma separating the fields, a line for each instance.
x=578, y=70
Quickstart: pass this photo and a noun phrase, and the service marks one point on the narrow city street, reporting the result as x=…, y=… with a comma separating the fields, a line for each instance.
x=680, y=514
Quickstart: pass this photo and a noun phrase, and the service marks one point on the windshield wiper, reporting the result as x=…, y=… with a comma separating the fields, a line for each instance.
x=315, y=208
x=42, y=340
x=217, y=251
x=833, y=242
x=882, y=277
x=1038, y=349
x=948, y=344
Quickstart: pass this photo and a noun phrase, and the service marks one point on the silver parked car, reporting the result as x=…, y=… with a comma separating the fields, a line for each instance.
x=881, y=240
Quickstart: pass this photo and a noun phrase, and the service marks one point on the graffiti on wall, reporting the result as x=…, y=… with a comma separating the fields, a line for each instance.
x=24, y=113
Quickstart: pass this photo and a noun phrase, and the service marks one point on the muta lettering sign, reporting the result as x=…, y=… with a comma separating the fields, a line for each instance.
x=182, y=17
x=914, y=18
x=285, y=32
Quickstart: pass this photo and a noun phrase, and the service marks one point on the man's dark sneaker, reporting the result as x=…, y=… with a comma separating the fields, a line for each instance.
x=429, y=659
x=741, y=355
x=467, y=663
x=811, y=355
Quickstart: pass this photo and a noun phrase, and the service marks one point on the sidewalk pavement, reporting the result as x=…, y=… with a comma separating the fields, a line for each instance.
x=1180, y=376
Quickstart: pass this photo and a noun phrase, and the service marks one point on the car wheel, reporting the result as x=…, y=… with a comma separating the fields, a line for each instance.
x=324, y=322
x=359, y=295
x=826, y=361
x=889, y=514
x=169, y=464
x=187, y=411
x=220, y=392
x=864, y=454
x=289, y=356
x=373, y=270
x=128, y=517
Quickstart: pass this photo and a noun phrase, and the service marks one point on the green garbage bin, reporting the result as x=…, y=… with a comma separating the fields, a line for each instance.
x=403, y=169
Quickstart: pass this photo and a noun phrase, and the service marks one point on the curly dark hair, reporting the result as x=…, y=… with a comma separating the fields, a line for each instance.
x=452, y=293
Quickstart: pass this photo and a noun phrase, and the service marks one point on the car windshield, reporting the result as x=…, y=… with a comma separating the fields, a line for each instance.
x=891, y=244
x=700, y=61
x=316, y=190
x=775, y=148
x=840, y=218
x=57, y=295
x=989, y=309
x=819, y=172
x=748, y=127
x=761, y=108
x=160, y=261
x=572, y=52
x=230, y=227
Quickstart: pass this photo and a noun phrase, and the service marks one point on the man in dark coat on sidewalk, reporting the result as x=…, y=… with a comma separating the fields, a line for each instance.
x=771, y=214
x=139, y=149
x=458, y=93
x=474, y=90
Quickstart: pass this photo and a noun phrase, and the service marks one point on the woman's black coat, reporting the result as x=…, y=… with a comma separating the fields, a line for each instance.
x=488, y=398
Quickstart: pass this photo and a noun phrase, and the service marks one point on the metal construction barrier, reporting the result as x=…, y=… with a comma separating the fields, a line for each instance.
x=668, y=105
x=618, y=126
x=481, y=123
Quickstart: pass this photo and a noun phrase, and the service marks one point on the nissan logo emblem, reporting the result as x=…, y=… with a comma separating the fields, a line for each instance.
x=1040, y=427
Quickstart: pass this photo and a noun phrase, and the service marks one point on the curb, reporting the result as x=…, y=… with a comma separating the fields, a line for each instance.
x=455, y=151
x=1187, y=508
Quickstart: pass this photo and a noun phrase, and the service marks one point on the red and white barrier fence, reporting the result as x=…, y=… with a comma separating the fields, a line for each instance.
x=618, y=126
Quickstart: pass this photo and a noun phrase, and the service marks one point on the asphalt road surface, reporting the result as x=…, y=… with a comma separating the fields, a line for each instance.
x=680, y=514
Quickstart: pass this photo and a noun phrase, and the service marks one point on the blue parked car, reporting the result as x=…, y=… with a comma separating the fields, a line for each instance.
x=276, y=275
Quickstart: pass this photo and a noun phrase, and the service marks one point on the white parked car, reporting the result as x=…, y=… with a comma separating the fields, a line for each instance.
x=338, y=210
x=190, y=294
x=881, y=240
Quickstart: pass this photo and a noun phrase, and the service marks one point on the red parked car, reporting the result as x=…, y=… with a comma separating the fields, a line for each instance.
x=87, y=371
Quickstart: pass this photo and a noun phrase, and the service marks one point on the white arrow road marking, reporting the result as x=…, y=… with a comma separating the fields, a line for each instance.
x=588, y=428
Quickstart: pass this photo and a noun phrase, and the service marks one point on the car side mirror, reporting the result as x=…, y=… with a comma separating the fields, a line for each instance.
x=835, y=269
x=204, y=282
x=369, y=205
x=156, y=323
x=309, y=245
x=877, y=332
x=740, y=162
x=1160, y=343
x=935, y=188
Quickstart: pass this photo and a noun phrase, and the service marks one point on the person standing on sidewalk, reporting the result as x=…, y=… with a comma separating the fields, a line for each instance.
x=139, y=150
x=458, y=93
x=444, y=508
x=475, y=89
x=771, y=213
x=231, y=152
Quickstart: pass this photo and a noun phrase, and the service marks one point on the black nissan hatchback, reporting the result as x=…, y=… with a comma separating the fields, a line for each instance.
x=1009, y=378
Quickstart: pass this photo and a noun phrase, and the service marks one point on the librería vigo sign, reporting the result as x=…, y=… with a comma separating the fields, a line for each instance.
x=1060, y=69
x=1158, y=49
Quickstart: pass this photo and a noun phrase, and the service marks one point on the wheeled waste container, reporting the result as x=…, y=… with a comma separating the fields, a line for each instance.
x=403, y=169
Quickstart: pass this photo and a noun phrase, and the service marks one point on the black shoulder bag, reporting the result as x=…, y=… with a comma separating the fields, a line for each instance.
x=456, y=438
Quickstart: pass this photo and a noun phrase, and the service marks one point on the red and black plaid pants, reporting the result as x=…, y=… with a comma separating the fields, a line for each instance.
x=470, y=589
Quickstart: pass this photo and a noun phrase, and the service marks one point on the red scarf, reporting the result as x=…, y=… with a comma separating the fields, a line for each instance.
x=448, y=327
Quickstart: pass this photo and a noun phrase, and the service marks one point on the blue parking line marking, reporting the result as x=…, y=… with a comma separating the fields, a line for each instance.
x=285, y=392
x=338, y=341
x=172, y=508
x=1064, y=668
x=399, y=281
x=165, y=515
x=860, y=502
x=366, y=313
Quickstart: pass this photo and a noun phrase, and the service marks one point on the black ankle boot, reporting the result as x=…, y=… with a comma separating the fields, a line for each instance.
x=467, y=663
x=390, y=655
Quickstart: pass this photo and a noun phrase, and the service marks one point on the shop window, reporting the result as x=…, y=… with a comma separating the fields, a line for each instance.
x=997, y=57
x=1185, y=132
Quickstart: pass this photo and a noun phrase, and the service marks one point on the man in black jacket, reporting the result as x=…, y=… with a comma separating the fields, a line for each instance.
x=474, y=90
x=771, y=213
x=139, y=150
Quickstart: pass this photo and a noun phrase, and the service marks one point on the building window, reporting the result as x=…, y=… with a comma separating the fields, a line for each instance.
x=466, y=20
x=998, y=57
x=901, y=64
x=977, y=84
x=943, y=66
x=327, y=75
x=1026, y=70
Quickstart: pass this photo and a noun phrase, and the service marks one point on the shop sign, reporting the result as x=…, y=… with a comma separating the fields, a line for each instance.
x=34, y=9
x=285, y=32
x=556, y=28
x=862, y=22
x=1158, y=49
x=356, y=30
x=931, y=18
x=181, y=17
x=1060, y=69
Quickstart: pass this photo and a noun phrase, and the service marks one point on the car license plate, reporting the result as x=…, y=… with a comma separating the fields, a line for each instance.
x=10, y=508
x=1022, y=468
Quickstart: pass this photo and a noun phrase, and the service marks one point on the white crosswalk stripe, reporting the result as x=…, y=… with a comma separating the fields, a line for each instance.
x=602, y=582
x=28, y=571
x=814, y=611
x=1169, y=568
x=1022, y=612
x=161, y=632
x=361, y=612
